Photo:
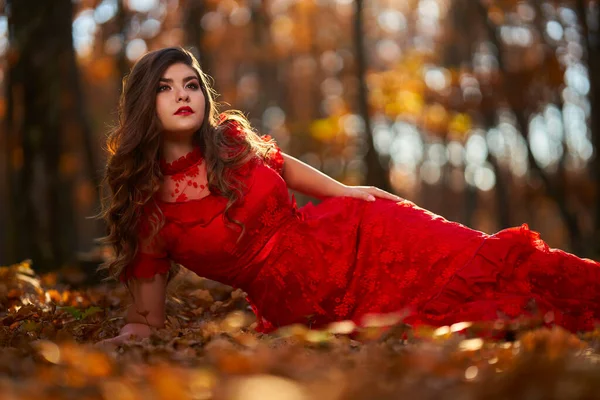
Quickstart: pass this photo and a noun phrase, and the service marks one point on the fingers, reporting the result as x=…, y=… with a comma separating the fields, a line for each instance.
x=390, y=196
x=113, y=342
x=362, y=194
x=359, y=192
x=382, y=194
x=106, y=343
x=370, y=193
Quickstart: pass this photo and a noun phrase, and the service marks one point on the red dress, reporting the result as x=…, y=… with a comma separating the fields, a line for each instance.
x=346, y=258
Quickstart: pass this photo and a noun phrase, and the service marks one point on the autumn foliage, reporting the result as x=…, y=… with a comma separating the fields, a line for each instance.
x=209, y=350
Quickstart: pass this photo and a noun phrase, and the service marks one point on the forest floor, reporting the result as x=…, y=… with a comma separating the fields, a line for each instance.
x=209, y=350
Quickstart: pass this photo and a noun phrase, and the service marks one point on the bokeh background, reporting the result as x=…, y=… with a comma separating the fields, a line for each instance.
x=483, y=111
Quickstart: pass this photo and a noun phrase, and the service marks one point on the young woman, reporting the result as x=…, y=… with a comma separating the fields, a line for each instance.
x=192, y=187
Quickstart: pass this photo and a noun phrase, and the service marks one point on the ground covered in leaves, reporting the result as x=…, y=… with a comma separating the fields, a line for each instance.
x=209, y=350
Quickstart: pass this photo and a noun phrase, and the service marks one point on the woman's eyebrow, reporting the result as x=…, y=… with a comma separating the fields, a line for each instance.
x=186, y=79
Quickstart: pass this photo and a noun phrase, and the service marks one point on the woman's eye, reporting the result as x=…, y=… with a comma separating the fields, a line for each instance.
x=192, y=86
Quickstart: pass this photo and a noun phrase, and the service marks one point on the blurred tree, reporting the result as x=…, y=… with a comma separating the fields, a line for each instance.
x=122, y=22
x=377, y=175
x=589, y=15
x=439, y=73
x=265, y=63
x=46, y=130
x=522, y=106
x=458, y=55
x=192, y=15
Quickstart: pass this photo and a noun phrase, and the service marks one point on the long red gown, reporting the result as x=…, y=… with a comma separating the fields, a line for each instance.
x=345, y=258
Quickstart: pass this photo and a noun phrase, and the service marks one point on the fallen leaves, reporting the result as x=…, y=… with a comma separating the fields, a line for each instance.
x=208, y=350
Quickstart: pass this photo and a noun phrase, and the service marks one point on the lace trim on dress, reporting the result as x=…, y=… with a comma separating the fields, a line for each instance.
x=274, y=159
x=182, y=163
x=185, y=178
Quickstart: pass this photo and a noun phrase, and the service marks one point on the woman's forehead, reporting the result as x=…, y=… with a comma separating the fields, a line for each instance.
x=178, y=71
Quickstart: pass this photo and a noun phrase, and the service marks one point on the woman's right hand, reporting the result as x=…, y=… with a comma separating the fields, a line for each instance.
x=126, y=333
x=149, y=297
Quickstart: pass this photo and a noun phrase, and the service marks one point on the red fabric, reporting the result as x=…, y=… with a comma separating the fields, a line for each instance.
x=151, y=257
x=345, y=258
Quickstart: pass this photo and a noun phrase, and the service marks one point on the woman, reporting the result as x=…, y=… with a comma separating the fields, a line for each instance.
x=200, y=189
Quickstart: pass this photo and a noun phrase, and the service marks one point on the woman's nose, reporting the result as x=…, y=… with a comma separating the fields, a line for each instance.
x=182, y=96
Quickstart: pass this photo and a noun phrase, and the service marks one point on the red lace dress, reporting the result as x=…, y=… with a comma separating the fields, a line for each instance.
x=346, y=258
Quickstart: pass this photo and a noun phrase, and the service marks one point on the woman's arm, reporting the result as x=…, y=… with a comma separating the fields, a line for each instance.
x=147, y=309
x=148, y=306
x=308, y=180
x=312, y=182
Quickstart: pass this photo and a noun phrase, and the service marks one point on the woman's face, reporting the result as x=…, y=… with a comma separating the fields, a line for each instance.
x=180, y=101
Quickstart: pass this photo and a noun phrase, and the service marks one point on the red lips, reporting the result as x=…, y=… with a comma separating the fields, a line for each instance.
x=184, y=111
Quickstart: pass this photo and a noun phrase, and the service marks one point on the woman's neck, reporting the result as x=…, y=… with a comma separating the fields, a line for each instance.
x=173, y=150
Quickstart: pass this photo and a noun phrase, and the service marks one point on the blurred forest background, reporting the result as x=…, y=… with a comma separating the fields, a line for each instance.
x=483, y=111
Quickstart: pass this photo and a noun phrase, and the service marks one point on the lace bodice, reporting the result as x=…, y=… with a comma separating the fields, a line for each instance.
x=184, y=179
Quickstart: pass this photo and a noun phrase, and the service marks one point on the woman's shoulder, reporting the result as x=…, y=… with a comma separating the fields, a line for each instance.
x=267, y=150
x=233, y=126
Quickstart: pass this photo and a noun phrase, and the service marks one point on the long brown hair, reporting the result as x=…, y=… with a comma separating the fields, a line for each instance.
x=133, y=174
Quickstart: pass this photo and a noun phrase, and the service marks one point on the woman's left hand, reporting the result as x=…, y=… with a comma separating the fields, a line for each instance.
x=369, y=193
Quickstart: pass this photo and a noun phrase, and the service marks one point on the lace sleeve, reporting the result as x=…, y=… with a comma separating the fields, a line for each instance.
x=274, y=158
x=151, y=257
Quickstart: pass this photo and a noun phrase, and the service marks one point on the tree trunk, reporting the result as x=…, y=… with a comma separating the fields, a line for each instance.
x=458, y=53
x=194, y=34
x=591, y=40
x=377, y=174
x=122, y=20
x=501, y=192
x=522, y=119
x=43, y=120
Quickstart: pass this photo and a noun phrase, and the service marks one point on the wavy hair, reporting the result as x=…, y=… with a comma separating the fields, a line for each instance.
x=132, y=174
